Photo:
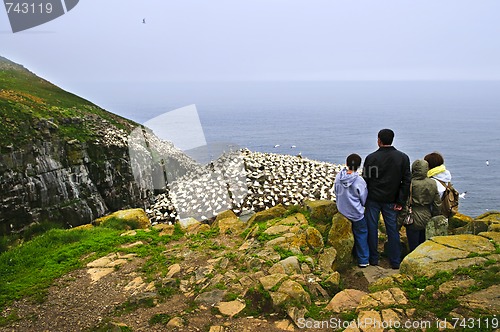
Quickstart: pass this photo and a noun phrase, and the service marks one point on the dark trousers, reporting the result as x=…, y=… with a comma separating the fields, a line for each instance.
x=372, y=212
x=415, y=238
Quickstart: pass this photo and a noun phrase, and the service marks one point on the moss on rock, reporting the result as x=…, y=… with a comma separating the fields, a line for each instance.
x=125, y=219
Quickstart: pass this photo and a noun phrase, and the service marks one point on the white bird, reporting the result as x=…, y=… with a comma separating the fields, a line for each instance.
x=462, y=195
x=487, y=163
x=293, y=147
x=277, y=145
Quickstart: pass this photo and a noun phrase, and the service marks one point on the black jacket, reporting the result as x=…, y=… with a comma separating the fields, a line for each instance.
x=387, y=175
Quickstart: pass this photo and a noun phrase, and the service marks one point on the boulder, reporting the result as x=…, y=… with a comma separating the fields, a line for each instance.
x=494, y=236
x=345, y=301
x=486, y=300
x=211, y=298
x=332, y=283
x=231, y=308
x=187, y=222
x=490, y=216
x=277, y=229
x=82, y=227
x=474, y=227
x=321, y=210
x=387, y=298
x=341, y=238
x=494, y=227
x=164, y=229
x=289, y=265
x=224, y=215
x=125, y=219
x=326, y=259
x=279, y=299
x=471, y=243
x=446, y=253
x=295, y=291
x=458, y=220
x=176, y=322
x=272, y=213
x=272, y=280
x=437, y=226
x=314, y=239
x=229, y=225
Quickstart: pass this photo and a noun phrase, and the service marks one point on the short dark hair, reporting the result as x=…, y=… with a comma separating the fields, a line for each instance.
x=434, y=159
x=353, y=162
x=386, y=136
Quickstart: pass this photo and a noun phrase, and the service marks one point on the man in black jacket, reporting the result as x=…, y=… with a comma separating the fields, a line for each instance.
x=388, y=177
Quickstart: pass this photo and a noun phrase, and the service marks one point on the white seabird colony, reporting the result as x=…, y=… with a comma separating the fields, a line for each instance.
x=244, y=181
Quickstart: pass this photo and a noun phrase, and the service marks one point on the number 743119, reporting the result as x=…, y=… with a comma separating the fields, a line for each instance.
x=28, y=8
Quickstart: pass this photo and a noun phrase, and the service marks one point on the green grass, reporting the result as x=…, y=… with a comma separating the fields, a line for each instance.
x=9, y=241
x=29, y=269
x=160, y=319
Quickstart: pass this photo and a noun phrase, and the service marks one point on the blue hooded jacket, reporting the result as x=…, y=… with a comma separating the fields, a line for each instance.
x=351, y=193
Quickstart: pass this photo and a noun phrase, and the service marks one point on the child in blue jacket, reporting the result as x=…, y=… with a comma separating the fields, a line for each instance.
x=351, y=192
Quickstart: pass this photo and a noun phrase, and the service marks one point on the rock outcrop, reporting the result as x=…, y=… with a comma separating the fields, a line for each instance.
x=62, y=159
x=447, y=253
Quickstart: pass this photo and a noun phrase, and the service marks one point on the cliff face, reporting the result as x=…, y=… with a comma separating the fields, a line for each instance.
x=62, y=158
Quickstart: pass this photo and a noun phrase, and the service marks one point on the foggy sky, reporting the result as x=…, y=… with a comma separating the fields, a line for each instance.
x=200, y=40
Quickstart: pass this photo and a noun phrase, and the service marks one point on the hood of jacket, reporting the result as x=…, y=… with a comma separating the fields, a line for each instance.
x=443, y=176
x=419, y=169
x=346, y=179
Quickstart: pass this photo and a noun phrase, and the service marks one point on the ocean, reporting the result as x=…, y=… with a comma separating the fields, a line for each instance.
x=327, y=121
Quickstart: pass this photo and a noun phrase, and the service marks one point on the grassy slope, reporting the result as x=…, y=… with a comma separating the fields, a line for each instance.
x=25, y=99
x=28, y=270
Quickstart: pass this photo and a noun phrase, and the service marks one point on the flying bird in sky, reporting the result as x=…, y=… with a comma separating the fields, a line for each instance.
x=144, y=20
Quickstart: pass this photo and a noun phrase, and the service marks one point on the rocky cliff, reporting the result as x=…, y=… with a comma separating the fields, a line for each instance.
x=62, y=158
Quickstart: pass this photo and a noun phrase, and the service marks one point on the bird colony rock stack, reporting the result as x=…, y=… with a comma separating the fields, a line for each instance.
x=244, y=181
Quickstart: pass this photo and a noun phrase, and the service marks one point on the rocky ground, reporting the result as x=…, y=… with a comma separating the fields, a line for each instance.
x=283, y=270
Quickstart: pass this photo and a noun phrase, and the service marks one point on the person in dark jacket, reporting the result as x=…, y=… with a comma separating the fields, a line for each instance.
x=387, y=175
x=425, y=203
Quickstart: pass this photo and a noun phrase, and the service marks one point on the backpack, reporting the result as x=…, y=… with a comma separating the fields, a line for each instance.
x=449, y=201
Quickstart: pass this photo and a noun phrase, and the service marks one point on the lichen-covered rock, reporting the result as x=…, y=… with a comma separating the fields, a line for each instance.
x=490, y=216
x=345, y=301
x=494, y=227
x=224, y=215
x=326, y=259
x=130, y=219
x=229, y=225
x=341, y=238
x=231, y=308
x=188, y=222
x=486, y=300
x=321, y=210
x=471, y=243
x=314, y=239
x=494, y=236
x=272, y=280
x=474, y=227
x=295, y=291
x=446, y=253
x=83, y=227
x=274, y=212
x=289, y=265
x=458, y=220
x=437, y=226
x=383, y=299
